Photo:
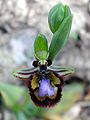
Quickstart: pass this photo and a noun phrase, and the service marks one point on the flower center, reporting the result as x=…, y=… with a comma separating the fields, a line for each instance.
x=46, y=89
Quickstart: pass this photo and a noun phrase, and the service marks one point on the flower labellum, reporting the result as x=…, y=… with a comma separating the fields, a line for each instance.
x=44, y=91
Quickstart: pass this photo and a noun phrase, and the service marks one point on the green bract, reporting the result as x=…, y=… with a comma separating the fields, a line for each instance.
x=60, y=21
x=56, y=15
x=41, y=47
x=12, y=96
x=60, y=37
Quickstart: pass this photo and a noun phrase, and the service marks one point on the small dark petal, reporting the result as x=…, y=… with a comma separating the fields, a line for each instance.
x=49, y=62
x=35, y=63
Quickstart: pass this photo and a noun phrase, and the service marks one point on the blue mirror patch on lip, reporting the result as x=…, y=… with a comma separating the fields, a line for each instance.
x=46, y=88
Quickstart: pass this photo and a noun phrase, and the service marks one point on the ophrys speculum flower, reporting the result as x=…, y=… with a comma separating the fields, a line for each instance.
x=44, y=80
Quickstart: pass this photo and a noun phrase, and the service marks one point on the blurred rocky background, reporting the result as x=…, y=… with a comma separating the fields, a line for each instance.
x=21, y=21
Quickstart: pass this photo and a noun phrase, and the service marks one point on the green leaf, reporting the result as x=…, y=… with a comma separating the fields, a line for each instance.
x=32, y=111
x=41, y=47
x=55, y=17
x=14, y=97
x=20, y=116
x=61, y=35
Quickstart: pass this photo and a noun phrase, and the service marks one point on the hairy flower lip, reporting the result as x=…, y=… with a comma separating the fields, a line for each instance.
x=46, y=101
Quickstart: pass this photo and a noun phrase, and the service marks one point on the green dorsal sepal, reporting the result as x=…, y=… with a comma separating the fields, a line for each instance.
x=41, y=47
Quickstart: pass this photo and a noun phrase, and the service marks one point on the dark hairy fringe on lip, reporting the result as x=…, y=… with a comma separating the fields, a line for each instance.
x=47, y=102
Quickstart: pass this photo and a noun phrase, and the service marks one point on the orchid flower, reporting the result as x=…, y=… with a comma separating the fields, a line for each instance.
x=44, y=80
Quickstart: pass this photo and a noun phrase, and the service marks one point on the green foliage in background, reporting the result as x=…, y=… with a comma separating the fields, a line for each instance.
x=18, y=101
